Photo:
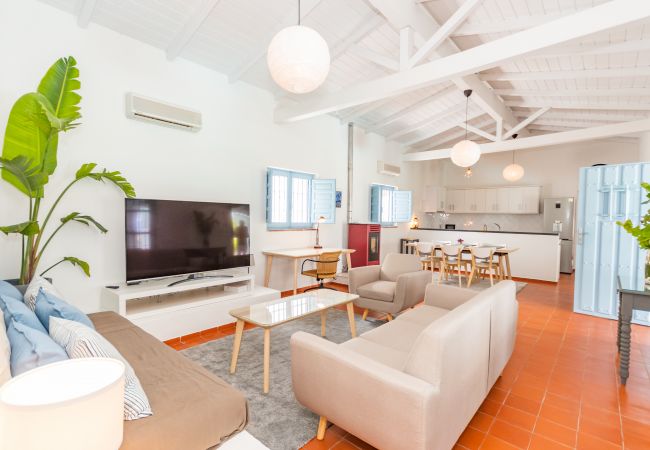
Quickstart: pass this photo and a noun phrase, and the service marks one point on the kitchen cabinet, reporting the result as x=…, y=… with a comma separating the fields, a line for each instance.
x=498, y=200
x=433, y=199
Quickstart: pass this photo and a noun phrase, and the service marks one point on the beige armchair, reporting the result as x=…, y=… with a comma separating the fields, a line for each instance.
x=398, y=284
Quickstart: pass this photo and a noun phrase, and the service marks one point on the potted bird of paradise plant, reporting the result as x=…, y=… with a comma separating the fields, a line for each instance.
x=642, y=233
x=29, y=159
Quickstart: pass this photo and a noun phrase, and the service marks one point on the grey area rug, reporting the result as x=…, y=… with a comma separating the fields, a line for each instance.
x=276, y=419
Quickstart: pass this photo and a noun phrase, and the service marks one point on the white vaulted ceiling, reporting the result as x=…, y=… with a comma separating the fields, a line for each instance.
x=599, y=79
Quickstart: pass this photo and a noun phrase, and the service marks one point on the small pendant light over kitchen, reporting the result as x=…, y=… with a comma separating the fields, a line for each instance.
x=298, y=58
x=513, y=172
x=466, y=153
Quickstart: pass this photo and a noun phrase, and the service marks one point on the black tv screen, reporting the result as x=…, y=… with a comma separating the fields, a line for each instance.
x=167, y=237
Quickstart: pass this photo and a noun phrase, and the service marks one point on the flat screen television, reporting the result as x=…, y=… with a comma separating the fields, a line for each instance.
x=168, y=237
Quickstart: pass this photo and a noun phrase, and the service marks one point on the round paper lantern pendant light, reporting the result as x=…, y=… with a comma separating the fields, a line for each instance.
x=298, y=58
x=513, y=172
x=466, y=153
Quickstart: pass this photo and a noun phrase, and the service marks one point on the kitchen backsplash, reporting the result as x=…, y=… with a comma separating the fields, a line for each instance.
x=508, y=222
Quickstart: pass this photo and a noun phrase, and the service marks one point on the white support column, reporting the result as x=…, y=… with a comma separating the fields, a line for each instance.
x=644, y=146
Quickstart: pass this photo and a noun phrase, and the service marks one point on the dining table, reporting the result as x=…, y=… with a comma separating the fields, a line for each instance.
x=501, y=252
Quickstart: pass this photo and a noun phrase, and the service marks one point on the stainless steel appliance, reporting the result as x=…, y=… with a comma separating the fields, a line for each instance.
x=559, y=218
x=450, y=226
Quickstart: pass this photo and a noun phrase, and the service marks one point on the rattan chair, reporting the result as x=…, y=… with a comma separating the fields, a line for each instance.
x=326, y=268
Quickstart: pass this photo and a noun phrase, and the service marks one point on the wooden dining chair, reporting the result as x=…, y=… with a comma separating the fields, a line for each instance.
x=424, y=250
x=452, y=258
x=483, y=262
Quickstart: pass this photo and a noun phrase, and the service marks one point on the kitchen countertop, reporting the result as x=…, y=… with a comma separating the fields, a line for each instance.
x=489, y=231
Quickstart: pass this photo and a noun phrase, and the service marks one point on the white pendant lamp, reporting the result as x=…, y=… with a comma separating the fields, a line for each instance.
x=466, y=153
x=513, y=172
x=298, y=58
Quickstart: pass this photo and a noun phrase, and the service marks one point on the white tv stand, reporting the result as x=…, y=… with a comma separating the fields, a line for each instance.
x=168, y=310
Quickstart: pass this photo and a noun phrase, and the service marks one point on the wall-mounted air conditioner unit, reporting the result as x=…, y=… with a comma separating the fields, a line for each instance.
x=150, y=110
x=388, y=169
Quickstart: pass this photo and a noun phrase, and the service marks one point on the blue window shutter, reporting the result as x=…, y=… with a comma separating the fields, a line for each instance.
x=375, y=200
x=402, y=207
x=270, y=201
x=323, y=194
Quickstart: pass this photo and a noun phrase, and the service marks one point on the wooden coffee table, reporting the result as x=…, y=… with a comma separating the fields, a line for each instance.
x=276, y=312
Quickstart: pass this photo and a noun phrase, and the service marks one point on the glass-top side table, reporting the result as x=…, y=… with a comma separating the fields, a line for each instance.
x=632, y=296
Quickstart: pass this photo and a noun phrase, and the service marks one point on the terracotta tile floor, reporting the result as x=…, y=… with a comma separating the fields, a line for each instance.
x=560, y=390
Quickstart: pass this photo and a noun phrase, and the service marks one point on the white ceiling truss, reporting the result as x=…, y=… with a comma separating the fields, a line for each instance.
x=399, y=67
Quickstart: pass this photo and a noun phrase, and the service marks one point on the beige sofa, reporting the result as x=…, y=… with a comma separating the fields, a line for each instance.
x=416, y=382
x=396, y=285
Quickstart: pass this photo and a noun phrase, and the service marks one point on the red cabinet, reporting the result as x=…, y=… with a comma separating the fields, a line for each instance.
x=364, y=238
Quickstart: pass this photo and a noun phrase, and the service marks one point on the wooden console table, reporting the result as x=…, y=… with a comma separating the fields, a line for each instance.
x=630, y=299
x=297, y=254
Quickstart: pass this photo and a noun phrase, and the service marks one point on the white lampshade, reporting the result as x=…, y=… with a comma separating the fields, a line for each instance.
x=298, y=59
x=77, y=404
x=465, y=153
x=513, y=172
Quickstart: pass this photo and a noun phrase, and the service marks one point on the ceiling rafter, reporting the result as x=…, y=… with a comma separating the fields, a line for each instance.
x=604, y=17
x=183, y=37
x=445, y=30
x=567, y=74
x=508, y=25
x=449, y=125
x=383, y=61
x=86, y=11
x=590, y=92
x=477, y=131
x=593, y=49
x=565, y=137
x=622, y=106
x=405, y=13
x=427, y=122
x=524, y=123
x=561, y=115
x=450, y=137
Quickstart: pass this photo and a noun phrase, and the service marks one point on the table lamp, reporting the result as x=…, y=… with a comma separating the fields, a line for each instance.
x=77, y=404
x=321, y=219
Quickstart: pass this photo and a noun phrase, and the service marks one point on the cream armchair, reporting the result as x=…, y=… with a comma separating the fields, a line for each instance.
x=398, y=284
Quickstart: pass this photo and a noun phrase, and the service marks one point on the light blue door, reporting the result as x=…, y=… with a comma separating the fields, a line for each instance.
x=604, y=250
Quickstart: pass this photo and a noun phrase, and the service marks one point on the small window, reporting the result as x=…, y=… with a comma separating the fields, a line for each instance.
x=296, y=200
x=389, y=206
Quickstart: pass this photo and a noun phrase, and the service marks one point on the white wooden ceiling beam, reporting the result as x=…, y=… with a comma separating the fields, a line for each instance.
x=506, y=26
x=362, y=110
x=572, y=123
x=567, y=74
x=290, y=19
x=523, y=124
x=86, y=11
x=380, y=60
x=609, y=105
x=604, y=17
x=566, y=137
x=624, y=92
x=631, y=46
x=413, y=107
x=442, y=33
x=183, y=37
x=447, y=125
x=477, y=131
x=426, y=122
x=405, y=13
x=450, y=137
x=564, y=115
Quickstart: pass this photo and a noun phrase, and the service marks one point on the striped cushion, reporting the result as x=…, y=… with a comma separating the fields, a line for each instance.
x=38, y=283
x=80, y=341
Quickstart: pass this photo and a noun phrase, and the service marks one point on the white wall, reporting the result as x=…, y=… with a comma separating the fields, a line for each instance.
x=225, y=161
x=554, y=168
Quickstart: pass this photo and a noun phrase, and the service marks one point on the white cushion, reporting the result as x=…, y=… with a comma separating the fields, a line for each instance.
x=423, y=315
x=35, y=285
x=81, y=341
x=5, y=353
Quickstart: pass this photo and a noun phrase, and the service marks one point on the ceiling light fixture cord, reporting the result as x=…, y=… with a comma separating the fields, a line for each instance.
x=466, y=106
x=298, y=12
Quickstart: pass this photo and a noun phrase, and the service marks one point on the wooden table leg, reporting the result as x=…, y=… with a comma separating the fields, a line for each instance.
x=267, y=358
x=267, y=271
x=239, y=330
x=353, y=325
x=508, y=272
x=323, y=322
x=295, y=276
x=348, y=259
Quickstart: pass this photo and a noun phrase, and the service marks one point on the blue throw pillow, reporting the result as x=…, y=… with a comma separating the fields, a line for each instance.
x=16, y=309
x=48, y=304
x=31, y=348
x=9, y=290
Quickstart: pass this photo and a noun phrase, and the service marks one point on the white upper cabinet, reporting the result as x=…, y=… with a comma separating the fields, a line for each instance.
x=433, y=199
x=502, y=200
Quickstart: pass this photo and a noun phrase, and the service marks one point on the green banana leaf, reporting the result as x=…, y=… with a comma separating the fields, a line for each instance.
x=31, y=179
x=84, y=219
x=58, y=86
x=79, y=262
x=26, y=228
